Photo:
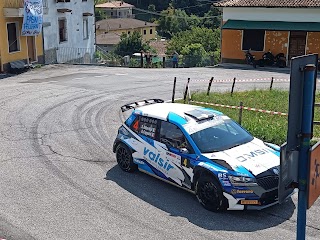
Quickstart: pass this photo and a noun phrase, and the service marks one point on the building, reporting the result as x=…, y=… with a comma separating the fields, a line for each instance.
x=68, y=31
x=116, y=9
x=13, y=46
x=290, y=27
x=108, y=31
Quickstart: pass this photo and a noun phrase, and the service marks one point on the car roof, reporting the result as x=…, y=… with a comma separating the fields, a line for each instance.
x=162, y=110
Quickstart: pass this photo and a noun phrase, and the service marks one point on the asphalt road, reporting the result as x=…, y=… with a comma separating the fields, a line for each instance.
x=58, y=174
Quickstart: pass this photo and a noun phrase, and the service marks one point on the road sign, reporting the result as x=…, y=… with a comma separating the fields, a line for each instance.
x=288, y=172
x=314, y=175
x=289, y=154
x=296, y=98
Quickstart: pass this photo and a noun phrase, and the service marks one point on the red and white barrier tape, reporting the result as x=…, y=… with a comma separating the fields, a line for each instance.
x=245, y=80
x=246, y=108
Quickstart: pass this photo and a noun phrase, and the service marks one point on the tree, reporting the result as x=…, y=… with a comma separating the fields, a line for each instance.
x=208, y=38
x=130, y=44
x=174, y=20
x=194, y=55
x=212, y=18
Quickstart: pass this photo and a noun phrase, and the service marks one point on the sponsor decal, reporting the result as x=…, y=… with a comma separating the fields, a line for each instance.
x=241, y=191
x=250, y=202
x=252, y=154
x=149, y=155
x=226, y=183
x=185, y=162
x=138, y=161
x=222, y=176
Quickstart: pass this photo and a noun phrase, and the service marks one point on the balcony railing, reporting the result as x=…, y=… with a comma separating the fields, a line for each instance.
x=13, y=3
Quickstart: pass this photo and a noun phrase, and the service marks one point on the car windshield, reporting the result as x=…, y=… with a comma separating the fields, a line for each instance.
x=225, y=135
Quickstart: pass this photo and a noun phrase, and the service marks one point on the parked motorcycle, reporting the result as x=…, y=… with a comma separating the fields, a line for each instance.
x=268, y=59
x=250, y=59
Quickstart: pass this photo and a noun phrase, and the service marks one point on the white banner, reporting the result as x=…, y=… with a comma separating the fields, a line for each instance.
x=32, y=18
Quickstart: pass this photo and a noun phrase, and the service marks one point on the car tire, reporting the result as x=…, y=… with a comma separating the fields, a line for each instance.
x=124, y=158
x=210, y=194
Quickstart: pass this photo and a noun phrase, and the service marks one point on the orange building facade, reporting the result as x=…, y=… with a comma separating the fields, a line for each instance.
x=279, y=29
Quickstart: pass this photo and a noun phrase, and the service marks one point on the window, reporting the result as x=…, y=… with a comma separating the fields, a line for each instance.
x=144, y=32
x=119, y=14
x=172, y=136
x=63, y=1
x=84, y=0
x=253, y=39
x=13, y=37
x=219, y=137
x=145, y=126
x=111, y=13
x=150, y=31
x=128, y=32
x=62, y=30
x=85, y=28
x=45, y=3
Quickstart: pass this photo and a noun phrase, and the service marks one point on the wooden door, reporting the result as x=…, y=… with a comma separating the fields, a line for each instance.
x=32, y=55
x=297, y=44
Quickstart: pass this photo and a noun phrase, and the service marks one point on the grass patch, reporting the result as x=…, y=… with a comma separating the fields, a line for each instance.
x=270, y=128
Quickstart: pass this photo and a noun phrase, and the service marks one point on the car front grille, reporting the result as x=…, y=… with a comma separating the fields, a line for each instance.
x=268, y=182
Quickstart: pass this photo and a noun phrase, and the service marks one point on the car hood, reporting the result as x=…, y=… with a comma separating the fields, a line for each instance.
x=255, y=156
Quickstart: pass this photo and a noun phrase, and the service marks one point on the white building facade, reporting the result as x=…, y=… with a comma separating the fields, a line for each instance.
x=68, y=31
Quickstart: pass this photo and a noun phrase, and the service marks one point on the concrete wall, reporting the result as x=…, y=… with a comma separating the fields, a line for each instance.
x=124, y=12
x=74, y=20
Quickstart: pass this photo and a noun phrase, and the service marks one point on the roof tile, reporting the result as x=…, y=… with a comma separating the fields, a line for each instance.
x=270, y=3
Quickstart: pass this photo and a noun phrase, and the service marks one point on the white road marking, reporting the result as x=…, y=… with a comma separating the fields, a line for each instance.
x=79, y=78
x=100, y=76
x=121, y=74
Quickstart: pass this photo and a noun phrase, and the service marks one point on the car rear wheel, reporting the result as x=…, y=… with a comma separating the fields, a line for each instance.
x=124, y=158
x=209, y=193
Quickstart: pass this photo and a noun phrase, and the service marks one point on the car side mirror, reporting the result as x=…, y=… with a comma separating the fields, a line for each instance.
x=184, y=150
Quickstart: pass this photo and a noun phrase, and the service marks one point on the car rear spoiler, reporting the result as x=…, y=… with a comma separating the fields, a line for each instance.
x=141, y=103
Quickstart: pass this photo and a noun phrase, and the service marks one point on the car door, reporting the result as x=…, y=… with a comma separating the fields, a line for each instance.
x=178, y=151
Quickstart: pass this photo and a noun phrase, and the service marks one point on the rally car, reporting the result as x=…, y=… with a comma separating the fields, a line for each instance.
x=201, y=150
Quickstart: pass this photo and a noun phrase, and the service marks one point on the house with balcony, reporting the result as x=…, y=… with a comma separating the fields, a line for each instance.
x=116, y=9
x=68, y=31
x=13, y=46
x=281, y=26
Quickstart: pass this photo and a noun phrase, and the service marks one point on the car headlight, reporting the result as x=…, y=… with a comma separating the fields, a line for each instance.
x=243, y=181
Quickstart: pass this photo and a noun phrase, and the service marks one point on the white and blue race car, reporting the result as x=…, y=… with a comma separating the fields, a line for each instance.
x=201, y=150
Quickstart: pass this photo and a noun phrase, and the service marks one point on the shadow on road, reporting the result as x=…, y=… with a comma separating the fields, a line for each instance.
x=180, y=203
x=5, y=75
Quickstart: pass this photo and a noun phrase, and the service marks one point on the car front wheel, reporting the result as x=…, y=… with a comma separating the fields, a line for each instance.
x=209, y=193
x=124, y=158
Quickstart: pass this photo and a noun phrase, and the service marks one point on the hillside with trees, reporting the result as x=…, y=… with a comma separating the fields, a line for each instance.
x=190, y=26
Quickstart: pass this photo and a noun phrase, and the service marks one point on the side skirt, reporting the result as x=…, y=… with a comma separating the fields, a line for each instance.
x=188, y=190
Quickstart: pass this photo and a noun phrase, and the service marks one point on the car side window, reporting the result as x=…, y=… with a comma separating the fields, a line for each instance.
x=172, y=136
x=146, y=126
